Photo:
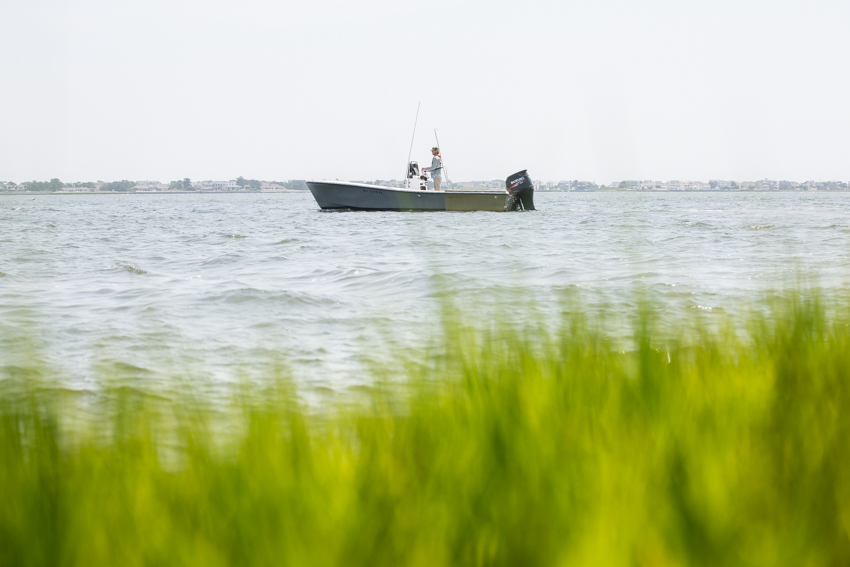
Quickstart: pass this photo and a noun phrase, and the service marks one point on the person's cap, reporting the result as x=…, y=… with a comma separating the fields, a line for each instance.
x=435, y=148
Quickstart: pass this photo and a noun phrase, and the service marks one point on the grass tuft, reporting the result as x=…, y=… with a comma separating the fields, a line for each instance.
x=715, y=444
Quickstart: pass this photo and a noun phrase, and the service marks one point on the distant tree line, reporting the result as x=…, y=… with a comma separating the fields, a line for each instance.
x=182, y=185
x=123, y=185
x=52, y=185
x=294, y=184
x=252, y=183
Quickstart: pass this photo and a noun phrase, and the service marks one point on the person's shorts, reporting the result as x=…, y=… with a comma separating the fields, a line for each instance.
x=437, y=183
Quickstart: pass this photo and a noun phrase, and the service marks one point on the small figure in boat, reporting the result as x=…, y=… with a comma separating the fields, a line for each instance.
x=436, y=168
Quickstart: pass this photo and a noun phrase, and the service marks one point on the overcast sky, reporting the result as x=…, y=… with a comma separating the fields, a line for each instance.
x=598, y=90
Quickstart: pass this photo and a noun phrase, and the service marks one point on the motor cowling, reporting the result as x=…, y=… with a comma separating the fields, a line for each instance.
x=520, y=192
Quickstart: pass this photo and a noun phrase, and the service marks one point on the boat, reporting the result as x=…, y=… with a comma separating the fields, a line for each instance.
x=414, y=196
x=365, y=197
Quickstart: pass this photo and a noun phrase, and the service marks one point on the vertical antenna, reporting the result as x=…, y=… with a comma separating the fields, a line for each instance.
x=407, y=165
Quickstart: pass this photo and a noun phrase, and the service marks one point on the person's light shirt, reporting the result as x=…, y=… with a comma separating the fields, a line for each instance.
x=436, y=168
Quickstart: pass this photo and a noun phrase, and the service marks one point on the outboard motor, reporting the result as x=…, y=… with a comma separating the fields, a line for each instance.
x=520, y=192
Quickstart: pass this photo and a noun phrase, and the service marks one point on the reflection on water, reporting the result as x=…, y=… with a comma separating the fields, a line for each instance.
x=160, y=283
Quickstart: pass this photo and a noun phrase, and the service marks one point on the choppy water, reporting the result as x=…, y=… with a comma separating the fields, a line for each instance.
x=157, y=283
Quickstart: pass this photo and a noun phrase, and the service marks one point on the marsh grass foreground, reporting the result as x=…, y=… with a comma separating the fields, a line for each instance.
x=713, y=444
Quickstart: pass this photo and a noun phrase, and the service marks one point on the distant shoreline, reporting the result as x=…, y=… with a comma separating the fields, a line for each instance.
x=306, y=191
x=150, y=192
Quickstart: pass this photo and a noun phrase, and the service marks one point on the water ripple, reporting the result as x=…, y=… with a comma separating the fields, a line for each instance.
x=153, y=284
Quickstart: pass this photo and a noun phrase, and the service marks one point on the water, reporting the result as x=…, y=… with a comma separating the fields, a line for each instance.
x=224, y=285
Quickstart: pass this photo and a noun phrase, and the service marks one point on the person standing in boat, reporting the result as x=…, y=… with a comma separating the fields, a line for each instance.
x=436, y=168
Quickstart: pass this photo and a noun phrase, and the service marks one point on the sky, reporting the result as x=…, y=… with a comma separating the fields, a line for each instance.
x=597, y=90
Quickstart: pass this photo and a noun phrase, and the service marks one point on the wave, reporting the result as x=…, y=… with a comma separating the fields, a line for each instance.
x=134, y=269
x=272, y=298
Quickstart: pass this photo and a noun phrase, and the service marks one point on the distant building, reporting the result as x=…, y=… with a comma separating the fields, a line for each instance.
x=149, y=186
x=218, y=185
x=271, y=187
x=765, y=185
x=720, y=184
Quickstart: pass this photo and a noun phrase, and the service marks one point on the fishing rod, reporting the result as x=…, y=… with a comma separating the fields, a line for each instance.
x=410, y=153
x=443, y=167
